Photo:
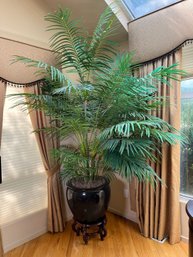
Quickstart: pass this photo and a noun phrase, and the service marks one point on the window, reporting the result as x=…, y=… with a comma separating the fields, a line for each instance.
x=186, y=165
x=140, y=8
x=24, y=187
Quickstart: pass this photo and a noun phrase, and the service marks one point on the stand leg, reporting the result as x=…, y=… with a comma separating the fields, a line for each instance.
x=102, y=231
x=76, y=228
x=85, y=234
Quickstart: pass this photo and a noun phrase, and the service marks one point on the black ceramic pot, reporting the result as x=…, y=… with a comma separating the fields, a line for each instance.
x=88, y=204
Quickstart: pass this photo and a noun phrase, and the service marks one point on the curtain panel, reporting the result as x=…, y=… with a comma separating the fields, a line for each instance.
x=1, y=246
x=2, y=100
x=158, y=208
x=56, y=212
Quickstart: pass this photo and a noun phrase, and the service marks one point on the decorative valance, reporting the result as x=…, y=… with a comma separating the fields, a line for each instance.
x=157, y=33
x=185, y=43
x=17, y=74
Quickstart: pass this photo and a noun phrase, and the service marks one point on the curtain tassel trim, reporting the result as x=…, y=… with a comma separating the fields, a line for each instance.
x=21, y=85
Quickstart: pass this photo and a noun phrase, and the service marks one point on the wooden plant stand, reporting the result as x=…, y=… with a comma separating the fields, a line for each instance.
x=90, y=229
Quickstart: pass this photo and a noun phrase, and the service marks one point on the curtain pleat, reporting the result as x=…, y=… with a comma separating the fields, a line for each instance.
x=2, y=100
x=56, y=217
x=56, y=207
x=158, y=208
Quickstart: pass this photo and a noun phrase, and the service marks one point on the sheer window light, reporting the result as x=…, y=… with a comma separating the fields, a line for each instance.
x=24, y=187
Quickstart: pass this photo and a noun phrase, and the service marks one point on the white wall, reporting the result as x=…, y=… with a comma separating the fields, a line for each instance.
x=122, y=196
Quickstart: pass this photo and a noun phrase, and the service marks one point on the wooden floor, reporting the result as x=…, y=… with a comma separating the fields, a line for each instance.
x=123, y=240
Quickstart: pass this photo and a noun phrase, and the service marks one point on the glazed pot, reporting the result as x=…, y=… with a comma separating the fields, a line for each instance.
x=88, y=199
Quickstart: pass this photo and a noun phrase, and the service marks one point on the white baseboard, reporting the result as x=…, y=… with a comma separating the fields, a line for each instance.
x=184, y=239
x=130, y=216
x=21, y=241
x=22, y=230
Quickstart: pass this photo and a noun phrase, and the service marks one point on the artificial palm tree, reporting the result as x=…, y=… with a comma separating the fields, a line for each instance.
x=107, y=111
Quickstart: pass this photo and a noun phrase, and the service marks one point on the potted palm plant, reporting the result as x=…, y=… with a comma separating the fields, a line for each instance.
x=105, y=113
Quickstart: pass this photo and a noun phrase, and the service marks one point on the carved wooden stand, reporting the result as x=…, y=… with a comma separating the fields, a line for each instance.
x=189, y=210
x=91, y=229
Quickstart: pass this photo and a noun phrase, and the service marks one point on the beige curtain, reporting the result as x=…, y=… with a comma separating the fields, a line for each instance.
x=1, y=247
x=158, y=208
x=2, y=100
x=56, y=222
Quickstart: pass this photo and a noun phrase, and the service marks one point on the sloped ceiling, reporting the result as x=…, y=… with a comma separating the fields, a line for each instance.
x=158, y=33
x=27, y=26
x=23, y=20
x=89, y=12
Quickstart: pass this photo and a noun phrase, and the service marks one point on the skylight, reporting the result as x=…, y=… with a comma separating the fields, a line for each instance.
x=140, y=8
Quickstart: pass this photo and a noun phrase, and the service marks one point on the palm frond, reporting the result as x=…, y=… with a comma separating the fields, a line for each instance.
x=127, y=128
x=129, y=167
x=67, y=41
x=109, y=112
x=101, y=49
x=45, y=70
x=164, y=74
x=132, y=147
x=74, y=163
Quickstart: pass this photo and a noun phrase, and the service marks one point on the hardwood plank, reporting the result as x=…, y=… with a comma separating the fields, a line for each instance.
x=123, y=240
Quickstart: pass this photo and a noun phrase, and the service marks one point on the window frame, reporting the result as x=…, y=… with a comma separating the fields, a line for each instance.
x=144, y=15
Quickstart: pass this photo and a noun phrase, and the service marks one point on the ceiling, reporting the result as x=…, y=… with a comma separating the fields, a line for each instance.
x=88, y=11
